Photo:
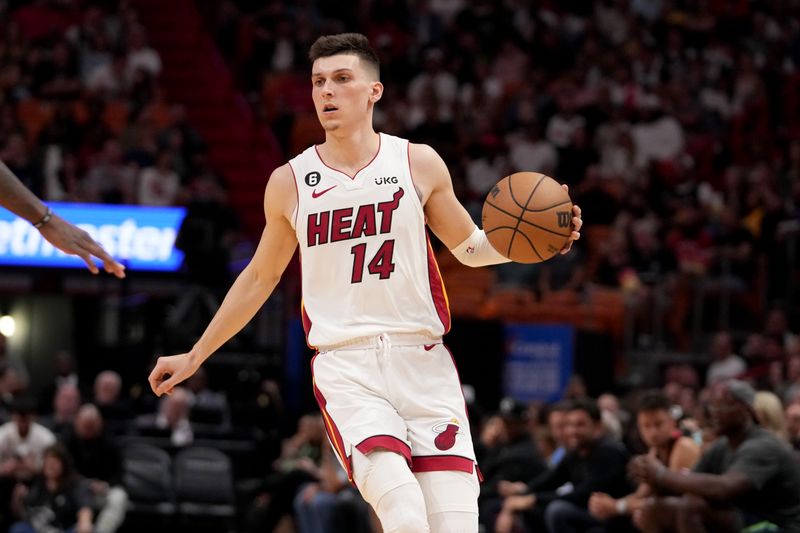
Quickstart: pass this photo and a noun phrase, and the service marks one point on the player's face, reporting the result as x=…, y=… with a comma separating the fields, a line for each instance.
x=656, y=427
x=343, y=91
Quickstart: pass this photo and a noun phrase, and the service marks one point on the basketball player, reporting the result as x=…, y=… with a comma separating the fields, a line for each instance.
x=67, y=237
x=373, y=302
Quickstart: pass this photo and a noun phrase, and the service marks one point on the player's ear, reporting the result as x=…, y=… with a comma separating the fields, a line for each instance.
x=376, y=91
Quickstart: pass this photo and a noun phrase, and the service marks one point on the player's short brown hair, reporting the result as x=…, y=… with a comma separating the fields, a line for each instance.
x=345, y=43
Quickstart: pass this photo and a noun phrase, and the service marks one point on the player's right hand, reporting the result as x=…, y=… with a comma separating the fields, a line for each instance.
x=72, y=240
x=170, y=371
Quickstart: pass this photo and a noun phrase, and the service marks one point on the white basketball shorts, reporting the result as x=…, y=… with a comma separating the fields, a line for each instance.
x=401, y=393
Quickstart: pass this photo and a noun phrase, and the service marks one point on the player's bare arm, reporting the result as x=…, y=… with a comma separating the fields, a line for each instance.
x=250, y=290
x=448, y=219
x=65, y=236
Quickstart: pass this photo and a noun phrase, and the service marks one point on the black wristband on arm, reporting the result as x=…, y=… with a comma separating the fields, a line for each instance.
x=45, y=219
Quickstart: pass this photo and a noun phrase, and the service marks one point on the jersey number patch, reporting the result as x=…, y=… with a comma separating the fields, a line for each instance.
x=380, y=265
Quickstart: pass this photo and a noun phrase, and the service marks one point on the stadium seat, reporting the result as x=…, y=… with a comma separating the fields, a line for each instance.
x=146, y=477
x=204, y=484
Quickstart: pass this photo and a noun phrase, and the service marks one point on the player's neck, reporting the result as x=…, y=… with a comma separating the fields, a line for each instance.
x=350, y=151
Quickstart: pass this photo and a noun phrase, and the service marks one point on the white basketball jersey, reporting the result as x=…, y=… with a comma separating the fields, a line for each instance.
x=367, y=264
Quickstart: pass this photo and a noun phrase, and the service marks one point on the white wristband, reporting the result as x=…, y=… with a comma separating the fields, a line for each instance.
x=621, y=506
x=477, y=251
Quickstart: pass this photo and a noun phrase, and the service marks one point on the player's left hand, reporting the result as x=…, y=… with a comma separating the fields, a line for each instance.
x=70, y=239
x=577, y=224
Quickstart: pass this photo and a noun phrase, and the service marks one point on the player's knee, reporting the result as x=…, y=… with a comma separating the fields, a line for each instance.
x=453, y=522
x=449, y=491
x=387, y=484
x=451, y=499
x=380, y=472
x=402, y=510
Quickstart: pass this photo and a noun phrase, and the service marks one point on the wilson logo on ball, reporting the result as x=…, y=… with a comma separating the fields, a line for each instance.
x=563, y=219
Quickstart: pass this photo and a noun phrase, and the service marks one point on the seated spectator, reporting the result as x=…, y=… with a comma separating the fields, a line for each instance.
x=57, y=501
x=23, y=442
x=506, y=451
x=769, y=414
x=557, y=424
x=98, y=459
x=659, y=431
x=116, y=411
x=65, y=406
x=64, y=366
x=22, y=446
x=209, y=408
x=159, y=184
x=298, y=464
x=747, y=476
x=10, y=386
x=793, y=424
x=172, y=419
x=556, y=501
x=331, y=505
x=726, y=364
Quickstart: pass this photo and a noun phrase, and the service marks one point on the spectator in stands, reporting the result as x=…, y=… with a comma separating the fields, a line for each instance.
x=22, y=446
x=506, y=451
x=111, y=179
x=140, y=55
x=55, y=74
x=793, y=424
x=23, y=442
x=98, y=459
x=159, y=184
x=57, y=501
x=557, y=424
x=769, y=414
x=528, y=150
x=299, y=463
x=209, y=407
x=108, y=79
x=64, y=366
x=65, y=406
x=557, y=499
x=206, y=233
x=745, y=477
x=116, y=410
x=726, y=364
x=331, y=504
x=10, y=386
x=172, y=419
x=659, y=432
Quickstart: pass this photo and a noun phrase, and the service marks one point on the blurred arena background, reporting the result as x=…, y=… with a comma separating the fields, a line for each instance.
x=676, y=124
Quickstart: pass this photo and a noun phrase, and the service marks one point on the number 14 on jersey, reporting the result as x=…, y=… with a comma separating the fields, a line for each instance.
x=380, y=265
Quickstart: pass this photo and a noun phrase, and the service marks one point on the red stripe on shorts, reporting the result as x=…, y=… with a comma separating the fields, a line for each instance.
x=436, y=463
x=393, y=444
x=330, y=427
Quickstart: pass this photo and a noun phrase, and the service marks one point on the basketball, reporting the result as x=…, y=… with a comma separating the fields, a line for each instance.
x=527, y=217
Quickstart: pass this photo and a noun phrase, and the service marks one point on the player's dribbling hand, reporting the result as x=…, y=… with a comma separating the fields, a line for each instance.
x=170, y=371
x=577, y=224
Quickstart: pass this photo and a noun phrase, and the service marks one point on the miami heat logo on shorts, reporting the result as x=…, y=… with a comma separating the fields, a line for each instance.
x=447, y=432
